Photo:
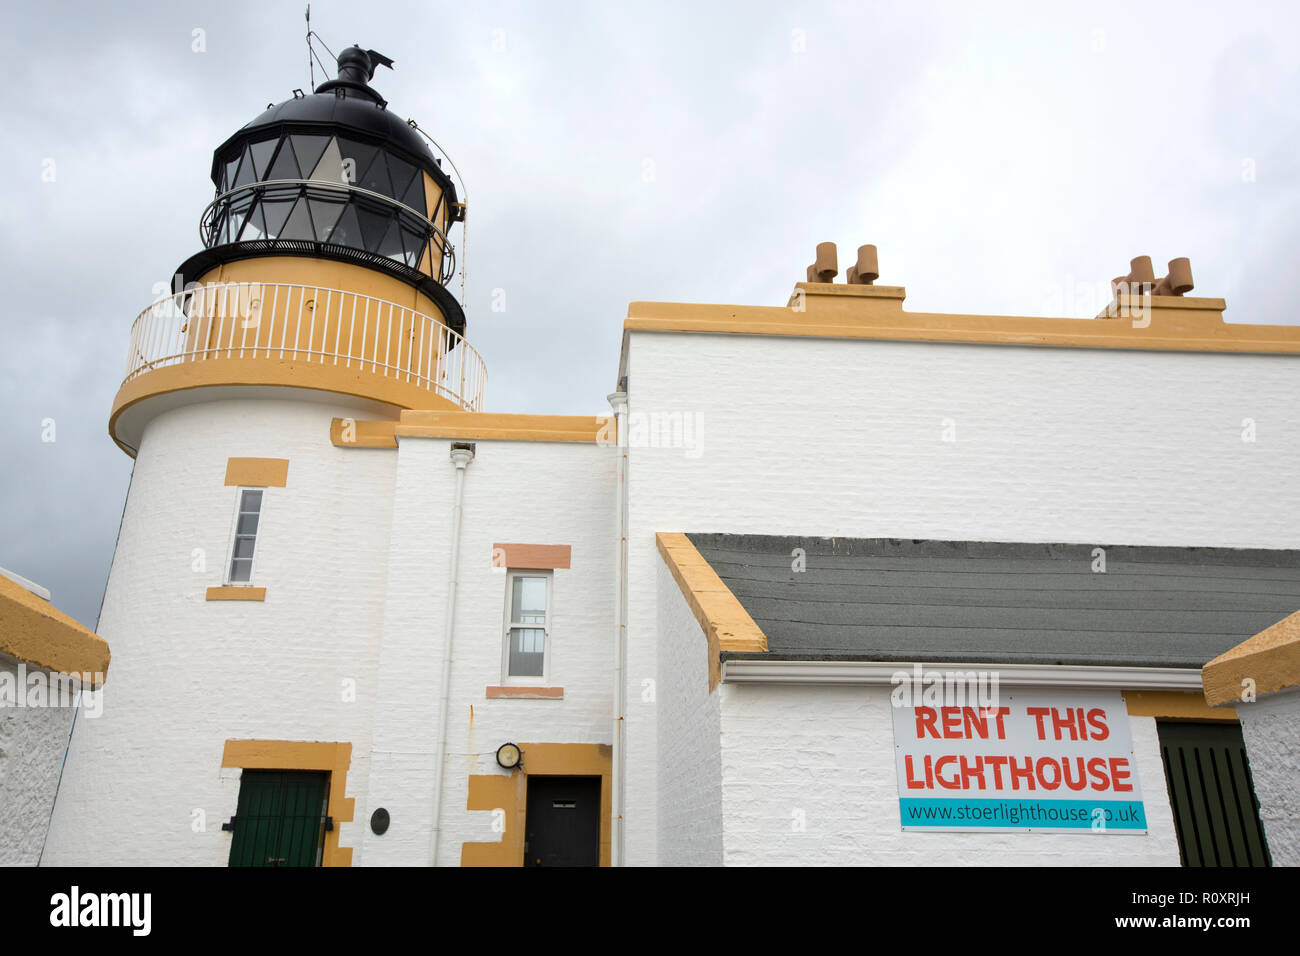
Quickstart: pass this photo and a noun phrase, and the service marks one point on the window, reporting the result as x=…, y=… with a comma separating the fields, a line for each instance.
x=527, y=637
x=241, y=550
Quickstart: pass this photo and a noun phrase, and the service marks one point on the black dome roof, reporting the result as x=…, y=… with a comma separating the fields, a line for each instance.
x=348, y=105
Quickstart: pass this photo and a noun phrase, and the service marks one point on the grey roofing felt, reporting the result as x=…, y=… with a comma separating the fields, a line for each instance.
x=883, y=599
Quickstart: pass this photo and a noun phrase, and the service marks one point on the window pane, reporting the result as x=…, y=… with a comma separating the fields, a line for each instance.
x=251, y=502
x=240, y=569
x=243, y=548
x=261, y=153
x=529, y=599
x=247, y=524
x=309, y=150
x=527, y=652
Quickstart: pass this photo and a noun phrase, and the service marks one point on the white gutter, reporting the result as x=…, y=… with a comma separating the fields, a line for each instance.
x=461, y=456
x=748, y=671
x=618, y=402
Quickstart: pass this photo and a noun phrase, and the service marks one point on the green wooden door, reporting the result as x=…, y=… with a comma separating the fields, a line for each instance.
x=280, y=819
x=1215, y=810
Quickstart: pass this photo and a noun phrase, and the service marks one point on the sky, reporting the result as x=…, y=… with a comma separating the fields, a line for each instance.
x=1004, y=158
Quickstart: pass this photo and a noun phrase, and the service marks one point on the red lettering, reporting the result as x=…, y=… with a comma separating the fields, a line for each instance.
x=975, y=721
x=1060, y=723
x=951, y=721
x=1097, y=718
x=1017, y=773
x=955, y=782
x=925, y=718
x=1097, y=768
x=1038, y=713
x=972, y=771
x=912, y=783
x=1001, y=715
x=1119, y=772
x=997, y=763
x=1056, y=770
x=1083, y=774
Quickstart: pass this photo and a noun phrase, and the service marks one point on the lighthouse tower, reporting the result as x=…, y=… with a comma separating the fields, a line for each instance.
x=246, y=595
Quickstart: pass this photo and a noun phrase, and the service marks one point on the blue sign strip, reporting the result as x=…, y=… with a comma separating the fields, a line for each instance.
x=958, y=813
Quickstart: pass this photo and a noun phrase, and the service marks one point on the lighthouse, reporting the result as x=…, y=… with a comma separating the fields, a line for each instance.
x=247, y=587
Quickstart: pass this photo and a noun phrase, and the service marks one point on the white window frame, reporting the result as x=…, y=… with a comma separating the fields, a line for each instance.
x=509, y=625
x=234, y=534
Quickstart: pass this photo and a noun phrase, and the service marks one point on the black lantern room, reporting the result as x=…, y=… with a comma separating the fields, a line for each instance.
x=335, y=175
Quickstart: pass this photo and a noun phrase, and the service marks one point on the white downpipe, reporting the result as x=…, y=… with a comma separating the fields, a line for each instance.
x=618, y=402
x=460, y=457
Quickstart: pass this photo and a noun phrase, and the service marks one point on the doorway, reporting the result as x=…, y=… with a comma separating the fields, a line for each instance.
x=1216, y=814
x=280, y=818
x=562, y=822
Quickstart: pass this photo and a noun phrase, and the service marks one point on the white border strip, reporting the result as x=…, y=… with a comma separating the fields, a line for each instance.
x=1009, y=675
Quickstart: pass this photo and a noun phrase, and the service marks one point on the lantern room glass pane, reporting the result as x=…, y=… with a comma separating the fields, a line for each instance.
x=261, y=154
x=308, y=149
x=376, y=178
x=329, y=168
x=414, y=195
x=286, y=163
x=357, y=158
x=298, y=225
x=325, y=215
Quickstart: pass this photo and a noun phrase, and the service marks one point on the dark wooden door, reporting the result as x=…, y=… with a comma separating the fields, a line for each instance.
x=280, y=819
x=1215, y=810
x=562, y=827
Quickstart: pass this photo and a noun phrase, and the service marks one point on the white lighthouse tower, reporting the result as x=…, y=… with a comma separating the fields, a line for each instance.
x=246, y=593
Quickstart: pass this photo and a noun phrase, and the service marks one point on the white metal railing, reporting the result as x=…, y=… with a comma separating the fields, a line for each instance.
x=308, y=323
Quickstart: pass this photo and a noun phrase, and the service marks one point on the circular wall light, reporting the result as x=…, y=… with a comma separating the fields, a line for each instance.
x=379, y=822
x=509, y=756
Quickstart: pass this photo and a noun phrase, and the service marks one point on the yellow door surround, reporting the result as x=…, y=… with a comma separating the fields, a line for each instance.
x=333, y=758
x=509, y=793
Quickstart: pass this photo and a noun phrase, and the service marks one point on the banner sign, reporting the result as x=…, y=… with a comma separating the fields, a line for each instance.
x=1024, y=760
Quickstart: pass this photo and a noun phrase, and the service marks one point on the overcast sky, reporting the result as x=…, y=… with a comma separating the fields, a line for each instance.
x=1005, y=158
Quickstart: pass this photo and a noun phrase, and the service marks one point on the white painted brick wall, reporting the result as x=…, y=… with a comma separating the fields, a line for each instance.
x=32, y=741
x=827, y=752
x=188, y=674
x=1271, y=728
x=690, y=741
x=841, y=437
x=515, y=492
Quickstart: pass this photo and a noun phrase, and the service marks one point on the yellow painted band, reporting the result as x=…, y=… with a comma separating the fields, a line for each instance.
x=726, y=624
x=829, y=311
x=325, y=377
x=354, y=433
x=1173, y=704
x=34, y=631
x=506, y=427
x=257, y=472
x=236, y=593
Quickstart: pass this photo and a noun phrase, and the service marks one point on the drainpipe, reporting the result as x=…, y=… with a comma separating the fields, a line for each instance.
x=461, y=456
x=618, y=402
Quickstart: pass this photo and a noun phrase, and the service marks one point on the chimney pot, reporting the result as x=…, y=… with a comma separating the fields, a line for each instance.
x=867, y=269
x=827, y=264
x=1141, y=274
